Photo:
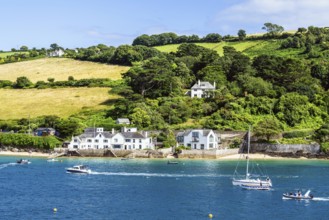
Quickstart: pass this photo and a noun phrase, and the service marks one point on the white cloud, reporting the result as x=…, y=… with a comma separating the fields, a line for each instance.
x=291, y=14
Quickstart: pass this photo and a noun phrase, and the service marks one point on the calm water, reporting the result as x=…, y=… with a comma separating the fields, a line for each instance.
x=151, y=189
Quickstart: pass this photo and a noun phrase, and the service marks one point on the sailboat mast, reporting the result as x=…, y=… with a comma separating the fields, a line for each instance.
x=247, y=169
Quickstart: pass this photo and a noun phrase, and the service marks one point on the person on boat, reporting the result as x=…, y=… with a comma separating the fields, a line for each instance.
x=299, y=194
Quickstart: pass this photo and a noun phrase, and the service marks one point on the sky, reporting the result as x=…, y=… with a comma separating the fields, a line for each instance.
x=84, y=23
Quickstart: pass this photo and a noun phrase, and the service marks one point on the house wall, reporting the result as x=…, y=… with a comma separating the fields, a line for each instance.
x=202, y=140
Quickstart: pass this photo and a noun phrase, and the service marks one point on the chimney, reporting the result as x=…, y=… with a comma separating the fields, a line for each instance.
x=112, y=131
x=146, y=134
x=199, y=82
x=214, y=84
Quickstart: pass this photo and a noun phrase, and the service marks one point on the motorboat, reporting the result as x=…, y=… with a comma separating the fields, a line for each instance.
x=23, y=161
x=172, y=162
x=298, y=195
x=79, y=169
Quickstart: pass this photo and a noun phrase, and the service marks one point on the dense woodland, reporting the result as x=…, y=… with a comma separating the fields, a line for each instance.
x=282, y=97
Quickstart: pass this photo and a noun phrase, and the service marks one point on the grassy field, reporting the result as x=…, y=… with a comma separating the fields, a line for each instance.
x=239, y=46
x=16, y=104
x=5, y=54
x=250, y=48
x=59, y=69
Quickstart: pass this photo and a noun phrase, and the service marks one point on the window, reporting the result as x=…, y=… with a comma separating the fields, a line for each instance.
x=128, y=140
x=202, y=146
x=211, y=145
x=89, y=140
x=75, y=140
x=211, y=138
x=96, y=140
x=195, y=134
x=140, y=140
x=105, y=141
x=75, y=146
x=106, y=146
x=140, y=146
x=115, y=140
x=133, y=140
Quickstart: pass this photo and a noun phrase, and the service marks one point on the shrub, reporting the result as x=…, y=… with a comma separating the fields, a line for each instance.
x=325, y=147
x=297, y=134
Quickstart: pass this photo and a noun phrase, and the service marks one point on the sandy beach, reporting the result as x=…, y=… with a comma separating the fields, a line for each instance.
x=227, y=157
x=24, y=154
x=258, y=157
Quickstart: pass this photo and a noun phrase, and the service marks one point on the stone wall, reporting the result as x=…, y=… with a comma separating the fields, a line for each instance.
x=285, y=149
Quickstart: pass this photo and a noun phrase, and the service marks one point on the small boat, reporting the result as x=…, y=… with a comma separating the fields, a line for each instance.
x=78, y=169
x=126, y=158
x=172, y=162
x=23, y=161
x=298, y=195
x=255, y=187
x=52, y=160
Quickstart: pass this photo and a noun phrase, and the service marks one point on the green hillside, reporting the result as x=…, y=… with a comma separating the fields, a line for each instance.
x=251, y=48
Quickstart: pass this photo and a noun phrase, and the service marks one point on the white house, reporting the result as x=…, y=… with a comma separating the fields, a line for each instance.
x=199, y=89
x=124, y=121
x=200, y=139
x=97, y=138
x=56, y=53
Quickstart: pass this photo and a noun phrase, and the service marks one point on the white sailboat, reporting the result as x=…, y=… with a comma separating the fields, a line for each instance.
x=248, y=182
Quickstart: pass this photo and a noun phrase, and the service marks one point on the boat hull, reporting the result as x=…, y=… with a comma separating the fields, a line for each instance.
x=253, y=182
x=77, y=171
x=254, y=187
x=286, y=196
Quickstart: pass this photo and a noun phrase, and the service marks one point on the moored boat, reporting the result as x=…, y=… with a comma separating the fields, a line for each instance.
x=298, y=195
x=248, y=180
x=172, y=162
x=255, y=187
x=79, y=169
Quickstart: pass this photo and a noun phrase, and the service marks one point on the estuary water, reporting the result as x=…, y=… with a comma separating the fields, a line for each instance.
x=153, y=189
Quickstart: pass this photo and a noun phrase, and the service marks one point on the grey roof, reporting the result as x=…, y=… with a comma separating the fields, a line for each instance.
x=132, y=135
x=94, y=134
x=45, y=129
x=203, y=85
x=204, y=132
x=123, y=120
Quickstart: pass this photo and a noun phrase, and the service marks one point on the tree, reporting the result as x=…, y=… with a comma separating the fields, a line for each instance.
x=54, y=46
x=212, y=38
x=140, y=118
x=22, y=82
x=272, y=29
x=24, y=48
x=242, y=34
x=268, y=128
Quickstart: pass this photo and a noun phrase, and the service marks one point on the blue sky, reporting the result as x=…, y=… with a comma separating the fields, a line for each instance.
x=83, y=23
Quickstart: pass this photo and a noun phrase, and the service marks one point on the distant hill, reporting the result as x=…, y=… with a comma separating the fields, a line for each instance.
x=59, y=69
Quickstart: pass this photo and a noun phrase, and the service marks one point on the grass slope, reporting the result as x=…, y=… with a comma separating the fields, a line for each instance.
x=250, y=48
x=59, y=69
x=63, y=102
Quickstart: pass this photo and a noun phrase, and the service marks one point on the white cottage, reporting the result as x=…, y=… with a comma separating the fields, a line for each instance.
x=199, y=89
x=56, y=53
x=199, y=139
x=97, y=138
